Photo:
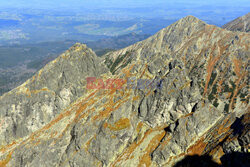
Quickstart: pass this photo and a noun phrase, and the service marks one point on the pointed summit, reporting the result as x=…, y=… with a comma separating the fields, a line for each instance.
x=191, y=19
x=79, y=46
x=55, y=86
x=168, y=40
x=188, y=21
x=182, y=91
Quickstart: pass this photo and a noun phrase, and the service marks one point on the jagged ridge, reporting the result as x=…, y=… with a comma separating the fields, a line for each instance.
x=202, y=69
x=240, y=24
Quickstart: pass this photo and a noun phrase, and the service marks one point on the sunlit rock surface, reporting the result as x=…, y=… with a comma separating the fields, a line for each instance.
x=200, y=105
x=240, y=24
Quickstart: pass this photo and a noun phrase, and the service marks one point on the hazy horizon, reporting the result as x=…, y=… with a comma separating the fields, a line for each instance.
x=55, y=4
x=20, y=20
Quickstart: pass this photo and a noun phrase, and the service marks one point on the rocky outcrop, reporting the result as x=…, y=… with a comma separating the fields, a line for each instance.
x=188, y=96
x=32, y=105
x=240, y=24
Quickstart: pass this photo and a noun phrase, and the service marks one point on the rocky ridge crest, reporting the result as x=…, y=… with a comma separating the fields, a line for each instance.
x=199, y=107
x=240, y=24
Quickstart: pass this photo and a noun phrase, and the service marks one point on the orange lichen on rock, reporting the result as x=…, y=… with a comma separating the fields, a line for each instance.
x=113, y=136
x=83, y=108
x=219, y=88
x=39, y=73
x=135, y=98
x=53, y=134
x=240, y=73
x=211, y=63
x=5, y=161
x=166, y=140
x=36, y=143
x=143, y=72
x=237, y=67
x=187, y=115
x=88, y=143
x=111, y=106
x=209, y=30
x=127, y=71
x=139, y=126
x=29, y=92
x=216, y=154
x=65, y=56
x=59, y=118
x=121, y=124
x=5, y=148
x=105, y=113
x=129, y=152
x=145, y=160
x=197, y=148
x=223, y=128
x=33, y=78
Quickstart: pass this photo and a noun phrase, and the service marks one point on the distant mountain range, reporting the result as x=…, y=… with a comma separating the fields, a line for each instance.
x=35, y=26
x=177, y=97
x=20, y=62
x=19, y=25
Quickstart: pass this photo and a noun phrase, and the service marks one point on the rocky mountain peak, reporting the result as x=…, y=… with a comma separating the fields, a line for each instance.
x=240, y=24
x=181, y=92
x=79, y=46
x=50, y=90
x=189, y=20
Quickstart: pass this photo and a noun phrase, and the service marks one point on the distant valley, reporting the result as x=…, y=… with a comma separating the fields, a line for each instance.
x=20, y=62
x=178, y=98
x=34, y=26
x=30, y=38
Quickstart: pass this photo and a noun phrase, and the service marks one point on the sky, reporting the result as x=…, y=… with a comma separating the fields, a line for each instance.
x=170, y=9
x=38, y=4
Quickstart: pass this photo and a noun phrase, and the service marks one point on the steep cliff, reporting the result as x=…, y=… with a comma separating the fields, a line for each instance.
x=184, y=92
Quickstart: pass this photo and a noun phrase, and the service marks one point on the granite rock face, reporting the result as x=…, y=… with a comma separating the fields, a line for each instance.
x=186, y=94
x=35, y=103
x=240, y=24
